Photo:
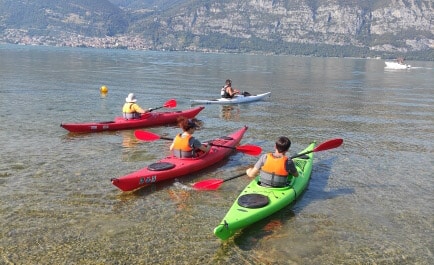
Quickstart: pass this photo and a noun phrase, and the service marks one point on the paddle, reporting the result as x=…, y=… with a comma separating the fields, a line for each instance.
x=213, y=184
x=246, y=149
x=171, y=103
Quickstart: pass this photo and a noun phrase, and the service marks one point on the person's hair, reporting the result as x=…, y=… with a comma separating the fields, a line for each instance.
x=186, y=124
x=282, y=144
x=228, y=82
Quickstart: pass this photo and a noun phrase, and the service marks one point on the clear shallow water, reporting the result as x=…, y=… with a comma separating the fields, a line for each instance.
x=369, y=202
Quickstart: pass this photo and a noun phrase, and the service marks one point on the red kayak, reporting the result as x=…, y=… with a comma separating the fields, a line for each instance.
x=173, y=167
x=147, y=120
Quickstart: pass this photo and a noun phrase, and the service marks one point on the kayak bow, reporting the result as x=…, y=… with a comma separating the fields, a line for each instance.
x=257, y=202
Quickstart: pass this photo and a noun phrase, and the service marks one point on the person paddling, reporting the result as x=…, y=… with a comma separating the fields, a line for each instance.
x=228, y=91
x=131, y=110
x=274, y=168
x=184, y=145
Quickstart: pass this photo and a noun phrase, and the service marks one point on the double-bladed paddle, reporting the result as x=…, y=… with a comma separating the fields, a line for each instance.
x=213, y=184
x=253, y=150
x=171, y=103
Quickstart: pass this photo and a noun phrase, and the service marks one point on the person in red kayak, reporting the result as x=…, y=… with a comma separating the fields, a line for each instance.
x=131, y=110
x=228, y=91
x=185, y=145
x=274, y=168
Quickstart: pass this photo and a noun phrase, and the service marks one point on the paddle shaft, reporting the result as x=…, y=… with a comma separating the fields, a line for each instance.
x=156, y=108
x=246, y=149
x=302, y=154
x=244, y=173
x=234, y=177
x=216, y=185
x=171, y=103
x=330, y=144
x=171, y=139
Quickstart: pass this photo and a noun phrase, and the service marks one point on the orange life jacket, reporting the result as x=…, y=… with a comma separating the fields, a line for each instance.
x=181, y=146
x=275, y=165
x=274, y=172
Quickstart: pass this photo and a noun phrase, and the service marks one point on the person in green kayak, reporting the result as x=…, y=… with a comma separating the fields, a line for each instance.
x=274, y=168
x=185, y=145
x=131, y=110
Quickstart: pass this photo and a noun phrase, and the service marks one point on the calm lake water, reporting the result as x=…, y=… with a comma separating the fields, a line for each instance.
x=369, y=201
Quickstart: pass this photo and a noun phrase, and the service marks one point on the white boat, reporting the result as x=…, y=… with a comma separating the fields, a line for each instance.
x=235, y=100
x=397, y=65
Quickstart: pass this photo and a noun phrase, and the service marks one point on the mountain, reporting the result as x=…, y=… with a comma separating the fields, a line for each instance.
x=386, y=28
x=54, y=17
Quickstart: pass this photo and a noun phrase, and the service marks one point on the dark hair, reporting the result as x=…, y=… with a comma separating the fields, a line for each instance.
x=186, y=124
x=282, y=144
x=228, y=82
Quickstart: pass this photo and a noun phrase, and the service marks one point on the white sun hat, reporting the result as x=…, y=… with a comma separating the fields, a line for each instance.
x=131, y=98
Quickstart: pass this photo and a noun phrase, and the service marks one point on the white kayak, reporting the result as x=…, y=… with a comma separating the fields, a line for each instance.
x=235, y=100
x=396, y=65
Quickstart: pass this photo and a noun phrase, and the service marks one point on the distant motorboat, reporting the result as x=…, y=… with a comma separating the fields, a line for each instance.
x=397, y=65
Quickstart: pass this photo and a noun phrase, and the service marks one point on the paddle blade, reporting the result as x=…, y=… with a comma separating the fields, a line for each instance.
x=209, y=184
x=171, y=103
x=146, y=136
x=330, y=144
x=253, y=150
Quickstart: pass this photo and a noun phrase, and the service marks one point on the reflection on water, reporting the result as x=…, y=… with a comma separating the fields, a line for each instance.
x=180, y=198
x=128, y=139
x=364, y=199
x=230, y=112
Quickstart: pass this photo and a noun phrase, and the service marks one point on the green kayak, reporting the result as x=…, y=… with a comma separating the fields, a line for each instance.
x=257, y=202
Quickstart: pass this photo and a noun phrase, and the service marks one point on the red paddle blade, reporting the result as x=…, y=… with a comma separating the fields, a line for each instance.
x=171, y=103
x=330, y=144
x=209, y=184
x=146, y=136
x=253, y=150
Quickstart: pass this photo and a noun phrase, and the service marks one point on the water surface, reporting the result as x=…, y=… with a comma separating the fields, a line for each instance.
x=369, y=201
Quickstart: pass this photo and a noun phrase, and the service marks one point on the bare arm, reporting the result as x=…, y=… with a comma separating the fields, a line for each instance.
x=232, y=91
x=138, y=109
x=292, y=169
x=205, y=148
x=252, y=172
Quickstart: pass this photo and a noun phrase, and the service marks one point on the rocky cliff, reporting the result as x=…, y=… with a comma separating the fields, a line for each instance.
x=311, y=27
x=397, y=25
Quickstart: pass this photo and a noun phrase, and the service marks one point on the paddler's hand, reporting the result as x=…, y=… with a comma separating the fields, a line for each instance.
x=208, y=147
x=252, y=172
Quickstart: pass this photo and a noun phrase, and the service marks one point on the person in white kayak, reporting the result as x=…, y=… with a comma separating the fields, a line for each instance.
x=228, y=91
